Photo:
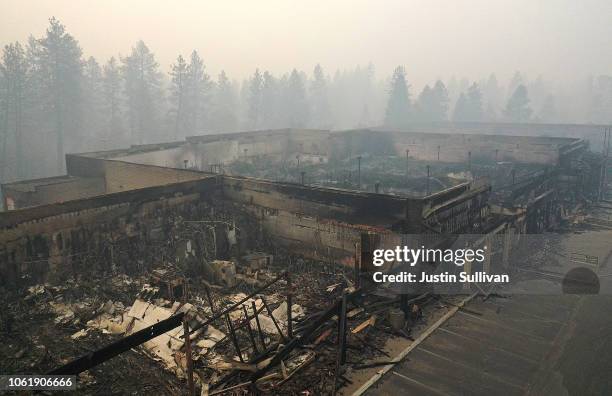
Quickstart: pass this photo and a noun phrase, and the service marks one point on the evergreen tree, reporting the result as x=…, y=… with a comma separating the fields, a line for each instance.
x=432, y=103
x=224, y=114
x=492, y=98
x=142, y=88
x=424, y=105
x=440, y=103
x=517, y=79
x=14, y=71
x=600, y=100
x=111, y=99
x=321, y=113
x=517, y=109
x=93, y=100
x=59, y=68
x=4, y=104
x=474, y=98
x=469, y=106
x=198, y=94
x=548, y=112
x=462, y=109
x=398, y=106
x=296, y=103
x=254, y=100
x=178, y=93
x=270, y=102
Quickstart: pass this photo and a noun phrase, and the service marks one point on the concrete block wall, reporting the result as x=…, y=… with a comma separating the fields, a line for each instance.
x=47, y=243
x=123, y=176
x=33, y=193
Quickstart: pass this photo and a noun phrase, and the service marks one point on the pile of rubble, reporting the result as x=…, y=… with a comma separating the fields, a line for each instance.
x=241, y=330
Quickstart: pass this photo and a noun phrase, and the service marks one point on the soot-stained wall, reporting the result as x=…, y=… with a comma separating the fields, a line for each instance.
x=128, y=231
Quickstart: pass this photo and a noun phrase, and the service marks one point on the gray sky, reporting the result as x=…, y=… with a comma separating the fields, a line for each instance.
x=563, y=39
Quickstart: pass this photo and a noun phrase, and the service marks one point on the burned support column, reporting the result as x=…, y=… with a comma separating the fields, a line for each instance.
x=209, y=298
x=188, y=357
x=369, y=242
x=407, y=165
x=359, y=172
x=357, y=258
x=230, y=328
x=273, y=318
x=94, y=358
x=261, y=336
x=469, y=161
x=289, y=305
x=250, y=330
x=341, y=354
x=428, y=171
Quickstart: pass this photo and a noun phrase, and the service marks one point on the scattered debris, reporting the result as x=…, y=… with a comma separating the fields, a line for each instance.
x=369, y=322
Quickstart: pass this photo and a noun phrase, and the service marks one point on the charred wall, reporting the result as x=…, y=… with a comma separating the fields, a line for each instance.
x=34, y=193
x=452, y=147
x=320, y=222
x=123, y=176
x=128, y=232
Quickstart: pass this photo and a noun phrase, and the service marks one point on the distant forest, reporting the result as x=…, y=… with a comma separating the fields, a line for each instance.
x=55, y=100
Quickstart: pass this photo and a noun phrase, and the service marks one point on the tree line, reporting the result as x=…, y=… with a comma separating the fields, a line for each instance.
x=54, y=100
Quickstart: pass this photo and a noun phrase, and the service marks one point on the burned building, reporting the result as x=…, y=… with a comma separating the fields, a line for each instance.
x=249, y=234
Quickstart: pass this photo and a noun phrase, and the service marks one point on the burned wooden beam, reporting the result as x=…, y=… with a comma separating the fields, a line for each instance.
x=303, y=338
x=188, y=358
x=341, y=354
x=209, y=298
x=289, y=317
x=249, y=329
x=230, y=328
x=125, y=344
x=261, y=335
x=273, y=319
x=239, y=303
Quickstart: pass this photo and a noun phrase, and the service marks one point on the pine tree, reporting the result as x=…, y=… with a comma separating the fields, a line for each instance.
x=462, y=109
x=548, y=112
x=270, y=102
x=59, y=68
x=225, y=114
x=111, y=99
x=441, y=101
x=424, y=105
x=398, y=107
x=198, y=94
x=93, y=101
x=178, y=93
x=474, y=98
x=14, y=72
x=321, y=113
x=517, y=79
x=469, y=105
x=492, y=98
x=142, y=88
x=254, y=100
x=432, y=104
x=296, y=102
x=517, y=109
x=4, y=104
